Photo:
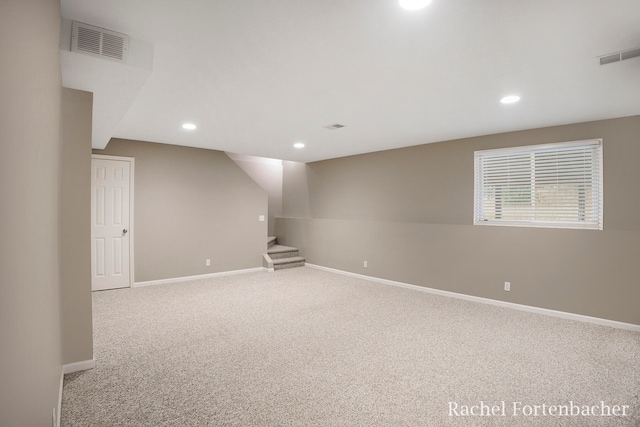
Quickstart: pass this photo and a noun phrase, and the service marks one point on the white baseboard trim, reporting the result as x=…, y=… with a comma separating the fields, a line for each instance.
x=59, y=413
x=200, y=276
x=68, y=369
x=78, y=366
x=521, y=307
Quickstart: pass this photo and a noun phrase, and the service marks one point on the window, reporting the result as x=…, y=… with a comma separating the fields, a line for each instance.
x=550, y=185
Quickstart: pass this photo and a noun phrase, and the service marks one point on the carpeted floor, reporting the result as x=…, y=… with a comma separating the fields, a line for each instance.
x=303, y=347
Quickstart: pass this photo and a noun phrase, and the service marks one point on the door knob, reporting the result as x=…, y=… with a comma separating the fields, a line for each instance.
x=125, y=231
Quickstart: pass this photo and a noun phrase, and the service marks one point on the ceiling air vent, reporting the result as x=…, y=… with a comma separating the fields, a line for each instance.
x=99, y=42
x=619, y=56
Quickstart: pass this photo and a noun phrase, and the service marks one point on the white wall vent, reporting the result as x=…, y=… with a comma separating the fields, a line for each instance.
x=99, y=42
x=619, y=56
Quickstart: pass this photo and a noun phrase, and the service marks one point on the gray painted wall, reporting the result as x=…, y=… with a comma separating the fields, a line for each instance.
x=409, y=213
x=75, y=226
x=267, y=173
x=192, y=204
x=30, y=95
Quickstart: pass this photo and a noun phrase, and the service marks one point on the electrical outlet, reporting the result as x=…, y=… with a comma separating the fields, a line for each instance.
x=261, y=218
x=207, y=262
x=365, y=264
x=507, y=286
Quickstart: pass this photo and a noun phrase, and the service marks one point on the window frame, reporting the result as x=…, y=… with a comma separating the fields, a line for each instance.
x=597, y=164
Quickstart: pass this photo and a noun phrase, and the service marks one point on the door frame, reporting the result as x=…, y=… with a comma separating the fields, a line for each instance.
x=131, y=233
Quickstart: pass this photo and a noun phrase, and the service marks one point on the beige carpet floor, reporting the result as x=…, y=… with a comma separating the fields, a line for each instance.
x=303, y=347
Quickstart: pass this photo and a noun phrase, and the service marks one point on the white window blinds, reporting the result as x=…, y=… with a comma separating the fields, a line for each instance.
x=551, y=185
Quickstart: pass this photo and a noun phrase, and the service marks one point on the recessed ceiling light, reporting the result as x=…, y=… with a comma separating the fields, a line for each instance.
x=189, y=126
x=510, y=99
x=414, y=4
x=298, y=145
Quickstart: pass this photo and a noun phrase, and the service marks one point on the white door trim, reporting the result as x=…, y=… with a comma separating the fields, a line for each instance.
x=131, y=234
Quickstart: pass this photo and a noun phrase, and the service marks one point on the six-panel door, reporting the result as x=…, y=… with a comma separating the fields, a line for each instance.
x=110, y=181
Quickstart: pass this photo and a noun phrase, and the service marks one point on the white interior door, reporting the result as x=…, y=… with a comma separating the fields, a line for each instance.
x=110, y=221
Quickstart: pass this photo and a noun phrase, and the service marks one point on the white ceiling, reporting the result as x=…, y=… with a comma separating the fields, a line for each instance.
x=258, y=75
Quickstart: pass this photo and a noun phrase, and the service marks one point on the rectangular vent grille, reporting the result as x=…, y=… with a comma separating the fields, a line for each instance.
x=99, y=42
x=619, y=56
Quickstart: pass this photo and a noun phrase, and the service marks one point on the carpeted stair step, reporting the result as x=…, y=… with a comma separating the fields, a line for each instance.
x=282, y=263
x=279, y=257
x=280, y=251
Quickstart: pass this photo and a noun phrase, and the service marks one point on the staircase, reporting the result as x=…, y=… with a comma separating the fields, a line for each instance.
x=279, y=257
